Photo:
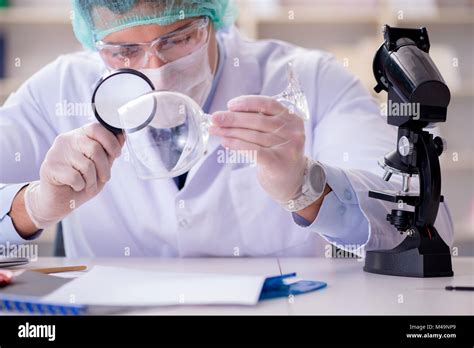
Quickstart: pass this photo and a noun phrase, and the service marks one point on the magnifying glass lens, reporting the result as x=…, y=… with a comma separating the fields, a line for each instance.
x=113, y=91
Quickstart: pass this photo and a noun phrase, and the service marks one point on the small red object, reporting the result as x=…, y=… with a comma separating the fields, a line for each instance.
x=6, y=277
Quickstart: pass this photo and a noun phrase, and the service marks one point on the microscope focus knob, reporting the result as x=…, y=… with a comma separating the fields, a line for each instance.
x=405, y=146
x=440, y=145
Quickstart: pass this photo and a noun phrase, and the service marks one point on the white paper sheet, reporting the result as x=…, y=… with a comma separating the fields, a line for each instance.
x=111, y=286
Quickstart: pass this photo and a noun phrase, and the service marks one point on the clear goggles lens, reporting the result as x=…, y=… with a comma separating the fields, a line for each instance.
x=168, y=48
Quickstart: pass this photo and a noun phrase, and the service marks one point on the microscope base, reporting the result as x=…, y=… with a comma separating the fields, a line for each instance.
x=406, y=261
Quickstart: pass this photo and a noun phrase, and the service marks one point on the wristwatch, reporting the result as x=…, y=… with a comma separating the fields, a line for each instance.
x=314, y=182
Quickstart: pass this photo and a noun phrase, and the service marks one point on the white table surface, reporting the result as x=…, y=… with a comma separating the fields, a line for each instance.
x=350, y=290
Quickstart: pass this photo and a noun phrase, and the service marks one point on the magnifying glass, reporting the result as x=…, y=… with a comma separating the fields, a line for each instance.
x=116, y=89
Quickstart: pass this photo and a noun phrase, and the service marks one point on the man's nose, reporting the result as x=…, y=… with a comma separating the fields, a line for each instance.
x=154, y=62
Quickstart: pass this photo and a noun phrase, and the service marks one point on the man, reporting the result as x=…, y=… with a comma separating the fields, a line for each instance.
x=311, y=178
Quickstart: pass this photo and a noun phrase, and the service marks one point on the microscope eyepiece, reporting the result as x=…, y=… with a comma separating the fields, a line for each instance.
x=403, y=67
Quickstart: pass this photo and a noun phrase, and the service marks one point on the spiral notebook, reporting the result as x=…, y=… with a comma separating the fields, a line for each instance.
x=25, y=293
x=108, y=290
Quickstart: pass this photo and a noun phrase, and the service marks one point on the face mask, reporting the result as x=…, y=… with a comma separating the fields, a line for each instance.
x=190, y=75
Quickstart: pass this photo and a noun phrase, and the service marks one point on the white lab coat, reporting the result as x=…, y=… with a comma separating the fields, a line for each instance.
x=222, y=210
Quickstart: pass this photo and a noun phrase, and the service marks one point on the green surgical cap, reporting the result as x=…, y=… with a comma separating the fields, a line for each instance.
x=95, y=19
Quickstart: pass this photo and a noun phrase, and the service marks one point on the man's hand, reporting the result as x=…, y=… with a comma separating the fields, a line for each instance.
x=75, y=170
x=262, y=124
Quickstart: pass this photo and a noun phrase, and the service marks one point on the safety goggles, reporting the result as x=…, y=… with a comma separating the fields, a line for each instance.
x=167, y=48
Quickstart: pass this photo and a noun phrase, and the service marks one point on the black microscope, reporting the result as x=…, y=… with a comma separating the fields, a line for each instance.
x=402, y=67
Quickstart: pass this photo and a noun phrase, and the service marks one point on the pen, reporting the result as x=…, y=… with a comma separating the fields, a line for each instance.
x=460, y=288
x=59, y=269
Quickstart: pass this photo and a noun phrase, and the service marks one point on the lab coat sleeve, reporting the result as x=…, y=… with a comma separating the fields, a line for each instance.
x=340, y=220
x=7, y=230
x=26, y=135
x=348, y=136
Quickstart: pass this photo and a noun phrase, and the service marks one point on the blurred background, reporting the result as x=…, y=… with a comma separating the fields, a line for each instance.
x=35, y=32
